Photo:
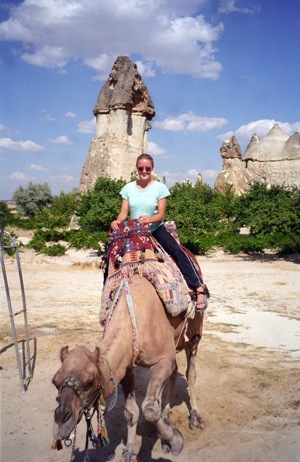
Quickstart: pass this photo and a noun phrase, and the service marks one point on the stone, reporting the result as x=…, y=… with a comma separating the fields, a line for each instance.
x=274, y=160
x=231, y=149
x=123, y=111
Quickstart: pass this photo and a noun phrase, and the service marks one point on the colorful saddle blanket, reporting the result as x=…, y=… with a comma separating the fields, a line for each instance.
x=132, y=250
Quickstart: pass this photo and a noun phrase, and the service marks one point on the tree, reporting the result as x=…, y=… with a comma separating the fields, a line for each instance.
x=32, y=199
x=101, y=205
x=60, y=212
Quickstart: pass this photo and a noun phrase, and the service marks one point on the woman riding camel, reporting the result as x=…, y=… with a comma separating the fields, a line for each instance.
x=146, y=199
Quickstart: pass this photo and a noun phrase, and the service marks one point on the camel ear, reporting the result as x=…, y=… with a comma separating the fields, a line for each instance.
x=64, y=353
x=96, y=354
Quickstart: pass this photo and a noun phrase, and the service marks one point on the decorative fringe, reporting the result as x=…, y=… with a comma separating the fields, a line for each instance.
x=103, y=439
x=57, y=444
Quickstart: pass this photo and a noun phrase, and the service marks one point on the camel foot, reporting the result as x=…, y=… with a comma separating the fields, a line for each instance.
x=129, y=456
x=152, y=411
x=175, y=445
x=196, y=420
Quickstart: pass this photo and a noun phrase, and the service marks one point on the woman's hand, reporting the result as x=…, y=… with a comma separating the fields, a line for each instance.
x=145, y=219
x=115, y=224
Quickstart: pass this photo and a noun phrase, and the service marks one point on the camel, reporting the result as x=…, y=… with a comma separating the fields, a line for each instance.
x=139, y=332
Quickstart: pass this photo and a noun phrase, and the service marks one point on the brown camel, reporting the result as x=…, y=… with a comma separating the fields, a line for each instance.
x=84, y=375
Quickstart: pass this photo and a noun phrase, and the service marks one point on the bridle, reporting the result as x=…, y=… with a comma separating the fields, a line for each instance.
x=85, y=401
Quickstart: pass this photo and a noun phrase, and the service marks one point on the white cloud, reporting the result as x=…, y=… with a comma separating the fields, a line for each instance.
x=46, y=116
x=87, y=126
x=18, y=176
x=60, y=183
x=209, y=176
x=190, y=122
x=192, y=173
x=63, y=139
x=8, y=131
x=154, y=149
x=259, y=127
x=229, y=6
x=7, y=144
x=178, y=177
x=37, y=167
x=64, y=178
x=47, y=56
x=145, y=69
x=170, y=35
x=70, y=115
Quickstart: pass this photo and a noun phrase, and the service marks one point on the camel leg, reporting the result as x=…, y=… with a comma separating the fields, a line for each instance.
x=131, y=414
x=169, y=395
x=172, y=440
x=194, y=333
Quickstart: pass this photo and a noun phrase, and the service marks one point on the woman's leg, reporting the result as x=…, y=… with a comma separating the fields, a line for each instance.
x=191, y=276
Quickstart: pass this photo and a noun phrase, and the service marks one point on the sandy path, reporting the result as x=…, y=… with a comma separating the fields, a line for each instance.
x=248, y=364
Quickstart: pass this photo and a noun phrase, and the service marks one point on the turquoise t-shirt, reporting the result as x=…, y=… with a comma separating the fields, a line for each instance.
x=144, y=201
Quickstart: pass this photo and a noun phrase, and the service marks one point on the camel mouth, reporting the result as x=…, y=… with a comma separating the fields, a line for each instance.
x=62, y=429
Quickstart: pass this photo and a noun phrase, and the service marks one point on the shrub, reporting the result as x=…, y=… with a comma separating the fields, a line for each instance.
x=101, y=205
x=55, y=250
x=32, y=199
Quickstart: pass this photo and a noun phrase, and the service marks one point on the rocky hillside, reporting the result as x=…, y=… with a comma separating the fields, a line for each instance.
x=274, y=160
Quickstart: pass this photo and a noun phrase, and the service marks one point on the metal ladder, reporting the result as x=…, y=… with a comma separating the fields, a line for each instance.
x=25, y=367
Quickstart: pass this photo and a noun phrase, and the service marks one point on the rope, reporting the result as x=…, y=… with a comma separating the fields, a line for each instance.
x=125, y=285
x=133, y=321
x=114, y=382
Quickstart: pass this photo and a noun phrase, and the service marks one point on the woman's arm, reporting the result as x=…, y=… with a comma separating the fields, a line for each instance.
x=122, y=215
x=161, y=210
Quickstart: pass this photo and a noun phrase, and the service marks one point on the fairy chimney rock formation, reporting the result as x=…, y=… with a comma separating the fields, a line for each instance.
x=274, y=160
x=231, y=149
x=123, y=111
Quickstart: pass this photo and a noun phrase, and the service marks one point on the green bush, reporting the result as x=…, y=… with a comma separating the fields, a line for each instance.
x=32, y=199
x=101, y=205
x=83, y=239
x=205, y=218
x=55, y=250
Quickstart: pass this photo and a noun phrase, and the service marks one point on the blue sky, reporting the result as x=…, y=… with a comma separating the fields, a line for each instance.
x=214, y=68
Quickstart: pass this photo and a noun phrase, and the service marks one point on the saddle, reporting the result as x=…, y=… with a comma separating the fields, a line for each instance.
x=133, y=250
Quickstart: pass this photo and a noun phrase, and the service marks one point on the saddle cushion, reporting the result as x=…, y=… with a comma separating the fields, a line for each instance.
x=132, y=250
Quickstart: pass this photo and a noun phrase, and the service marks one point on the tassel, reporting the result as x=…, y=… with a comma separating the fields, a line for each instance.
x=56, y=444
x=103, y=438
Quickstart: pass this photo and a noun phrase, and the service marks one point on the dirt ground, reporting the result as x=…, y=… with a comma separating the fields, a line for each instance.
x=248, y=381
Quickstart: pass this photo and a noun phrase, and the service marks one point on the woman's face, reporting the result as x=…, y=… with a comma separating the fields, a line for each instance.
x=144, y=168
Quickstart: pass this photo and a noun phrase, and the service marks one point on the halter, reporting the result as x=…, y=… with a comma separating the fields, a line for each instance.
x=87, y=403
x=74, y=384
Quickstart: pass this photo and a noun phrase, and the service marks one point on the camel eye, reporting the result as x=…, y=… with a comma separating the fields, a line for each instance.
x=88, y=385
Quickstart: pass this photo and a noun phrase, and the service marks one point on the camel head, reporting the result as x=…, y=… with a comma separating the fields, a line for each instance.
x=78, y=385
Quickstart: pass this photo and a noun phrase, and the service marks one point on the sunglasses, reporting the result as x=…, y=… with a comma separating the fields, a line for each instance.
x=141, y=169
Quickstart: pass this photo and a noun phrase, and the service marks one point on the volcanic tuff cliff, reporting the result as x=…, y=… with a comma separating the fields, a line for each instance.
x=122, y=112
x=274, y=160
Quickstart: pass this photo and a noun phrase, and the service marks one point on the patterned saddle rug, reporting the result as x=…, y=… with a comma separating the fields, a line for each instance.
x=131, y=250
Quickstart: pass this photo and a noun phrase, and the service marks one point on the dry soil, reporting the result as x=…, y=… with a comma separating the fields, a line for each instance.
x=247, y=385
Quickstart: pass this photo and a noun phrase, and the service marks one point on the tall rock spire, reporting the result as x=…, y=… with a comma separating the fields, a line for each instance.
x=123, y=111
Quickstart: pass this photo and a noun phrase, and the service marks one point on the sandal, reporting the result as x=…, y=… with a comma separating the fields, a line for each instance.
x=201, y=305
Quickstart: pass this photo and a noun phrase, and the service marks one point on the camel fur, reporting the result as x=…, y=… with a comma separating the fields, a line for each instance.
x=160, y=336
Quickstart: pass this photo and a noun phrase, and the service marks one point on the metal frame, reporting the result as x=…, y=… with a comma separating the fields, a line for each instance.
x=24, y=378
